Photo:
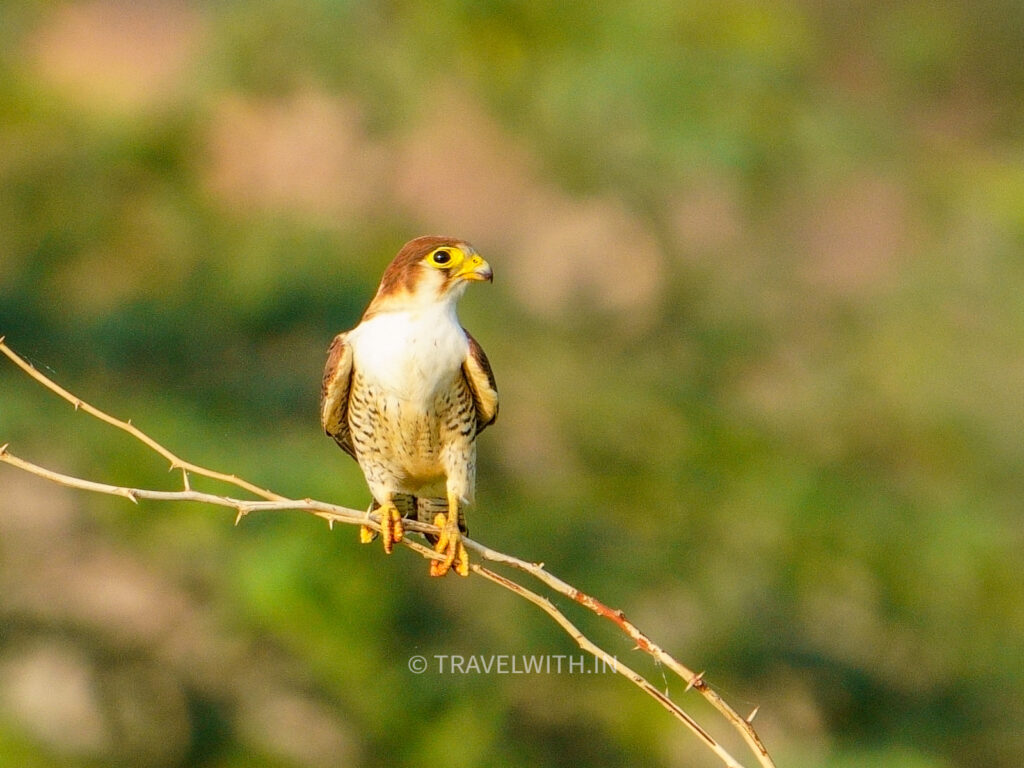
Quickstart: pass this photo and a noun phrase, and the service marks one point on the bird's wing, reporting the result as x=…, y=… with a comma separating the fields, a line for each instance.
x=334, y=393
x=480, y=378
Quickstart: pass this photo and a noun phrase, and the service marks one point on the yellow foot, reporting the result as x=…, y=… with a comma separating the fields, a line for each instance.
x=366, y=534
x=449, y=543
x=391, y=529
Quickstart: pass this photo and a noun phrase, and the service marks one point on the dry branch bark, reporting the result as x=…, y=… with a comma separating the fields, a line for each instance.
x=270, y=501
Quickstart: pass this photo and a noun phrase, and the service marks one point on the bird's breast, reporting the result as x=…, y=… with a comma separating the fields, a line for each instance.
x=409, y=405
x=409, y=355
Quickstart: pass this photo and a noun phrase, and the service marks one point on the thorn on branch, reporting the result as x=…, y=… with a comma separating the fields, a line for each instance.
x=750, y=718
x=77, y=404
x=130, y=495
x=697, y=682
x=3, y=448
x=242, y=512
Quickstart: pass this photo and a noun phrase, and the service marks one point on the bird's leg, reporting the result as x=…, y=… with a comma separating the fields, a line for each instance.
x=449, y=542
x=391, y=529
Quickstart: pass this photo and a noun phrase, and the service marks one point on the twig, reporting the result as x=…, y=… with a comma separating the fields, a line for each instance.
x=334, y=513
x=131, y=429
x=694, y=680
x=637, y=679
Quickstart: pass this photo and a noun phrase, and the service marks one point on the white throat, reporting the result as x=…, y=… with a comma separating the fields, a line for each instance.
x=412, y=353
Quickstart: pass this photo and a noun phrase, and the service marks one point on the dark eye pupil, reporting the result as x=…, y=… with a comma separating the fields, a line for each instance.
x=442, y=257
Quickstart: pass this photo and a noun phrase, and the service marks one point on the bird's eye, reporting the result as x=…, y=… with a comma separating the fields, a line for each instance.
x=442, y=257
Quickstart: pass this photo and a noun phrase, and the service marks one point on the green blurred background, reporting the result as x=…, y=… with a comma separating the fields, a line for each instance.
x=757, y=324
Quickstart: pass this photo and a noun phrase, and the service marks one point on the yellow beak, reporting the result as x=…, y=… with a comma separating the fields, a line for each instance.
x=475, y=268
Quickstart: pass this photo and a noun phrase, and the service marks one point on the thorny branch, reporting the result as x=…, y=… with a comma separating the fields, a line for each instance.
x=270, y=501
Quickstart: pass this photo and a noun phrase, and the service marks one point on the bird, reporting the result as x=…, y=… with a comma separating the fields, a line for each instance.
x=408, y=390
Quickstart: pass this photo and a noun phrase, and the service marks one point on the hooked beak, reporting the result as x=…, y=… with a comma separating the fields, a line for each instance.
x=475, y=268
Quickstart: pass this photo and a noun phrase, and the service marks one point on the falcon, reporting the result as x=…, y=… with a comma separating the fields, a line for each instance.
x=407, y=391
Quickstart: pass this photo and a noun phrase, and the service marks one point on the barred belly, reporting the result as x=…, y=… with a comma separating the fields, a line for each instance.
x=423, y=446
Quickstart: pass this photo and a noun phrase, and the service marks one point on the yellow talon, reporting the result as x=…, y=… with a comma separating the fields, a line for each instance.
x=442, y=540
x=462, y=561
x=391, y=529
x=449, y=543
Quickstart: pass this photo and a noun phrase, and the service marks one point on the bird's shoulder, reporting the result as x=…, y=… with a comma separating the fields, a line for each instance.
x=334, y=392
x=480, y=378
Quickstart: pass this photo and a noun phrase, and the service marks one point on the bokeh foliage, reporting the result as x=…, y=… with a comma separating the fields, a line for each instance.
x=757, y=325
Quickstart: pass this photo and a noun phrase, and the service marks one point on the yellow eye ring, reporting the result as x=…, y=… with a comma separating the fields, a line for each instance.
x=444, y=257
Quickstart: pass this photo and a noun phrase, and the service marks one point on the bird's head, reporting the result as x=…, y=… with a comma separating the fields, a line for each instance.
x=427, y=270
